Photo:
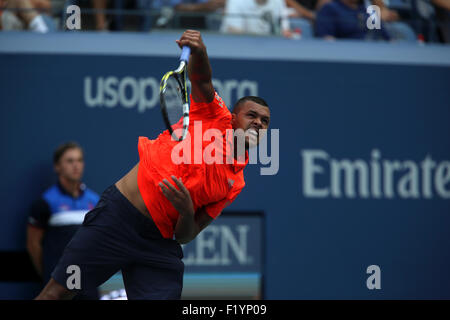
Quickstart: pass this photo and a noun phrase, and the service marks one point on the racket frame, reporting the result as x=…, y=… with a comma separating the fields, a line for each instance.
x=180, y=76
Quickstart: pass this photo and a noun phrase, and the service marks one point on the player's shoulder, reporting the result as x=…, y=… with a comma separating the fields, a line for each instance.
x=220, y=104
x=218, y=100
x=216, y=108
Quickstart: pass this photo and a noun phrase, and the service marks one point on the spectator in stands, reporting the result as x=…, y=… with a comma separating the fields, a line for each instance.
x=163, y=12
x=387, y=14
x=397, y=29
x=302, y=15
x=209, y=14
x=442, y=8
x=346, y=19
x=145, y=6
x=263, y=17
x=392, y=26
x=28, y=17
x=199, y=5
x=57, y=215
x=303, y=8
x=100, y=17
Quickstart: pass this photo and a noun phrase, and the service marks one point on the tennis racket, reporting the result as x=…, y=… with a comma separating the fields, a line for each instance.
x=174, y=98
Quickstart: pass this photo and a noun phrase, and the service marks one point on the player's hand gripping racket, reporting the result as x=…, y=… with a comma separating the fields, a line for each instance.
x=174, y=98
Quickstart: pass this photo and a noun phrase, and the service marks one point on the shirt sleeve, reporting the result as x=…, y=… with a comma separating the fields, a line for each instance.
x=216, y=208
x=325, y=23
x=39, y=214
x=215, y=109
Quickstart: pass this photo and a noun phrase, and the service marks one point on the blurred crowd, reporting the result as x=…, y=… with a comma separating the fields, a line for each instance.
x=399, y=20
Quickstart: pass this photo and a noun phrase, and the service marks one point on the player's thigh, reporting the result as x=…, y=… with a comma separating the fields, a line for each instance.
x=96, y=252
x=86, y=262
x=143, y=282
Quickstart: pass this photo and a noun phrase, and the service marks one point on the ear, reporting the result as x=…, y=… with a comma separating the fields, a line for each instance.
x=233, y=119
x=56, y=168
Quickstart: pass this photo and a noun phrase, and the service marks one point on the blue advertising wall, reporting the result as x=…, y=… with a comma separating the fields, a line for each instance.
x=364, y=147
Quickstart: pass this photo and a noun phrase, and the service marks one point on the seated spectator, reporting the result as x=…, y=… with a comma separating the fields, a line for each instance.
x=303, y=8
x=199, y=5
x=29, y=17
x=263, y=17
x=302, y=15
x=162, y=13
x=205, y=19
x=346, y=19
x=387, y=14
x=442, y=8
x=157, y=13
x=145, y=6
x=397, y=30
x=100, y=17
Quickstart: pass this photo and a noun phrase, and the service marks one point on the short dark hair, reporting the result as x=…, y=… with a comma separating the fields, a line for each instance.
x=255, y=99
x=61, y=149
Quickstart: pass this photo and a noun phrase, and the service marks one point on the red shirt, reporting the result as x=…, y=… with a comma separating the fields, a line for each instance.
x=211, y=185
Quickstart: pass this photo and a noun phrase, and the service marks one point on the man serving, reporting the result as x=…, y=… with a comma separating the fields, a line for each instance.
x=140, y=221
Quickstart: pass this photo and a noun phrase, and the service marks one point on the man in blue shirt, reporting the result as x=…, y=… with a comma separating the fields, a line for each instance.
x=57, y=215
x=346, y=19
x=166, y=11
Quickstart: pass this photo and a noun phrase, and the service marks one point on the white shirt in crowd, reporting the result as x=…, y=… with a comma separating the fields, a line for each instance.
x=255, y=16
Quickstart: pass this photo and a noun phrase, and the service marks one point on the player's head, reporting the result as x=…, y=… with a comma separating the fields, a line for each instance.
x=251, y=114
x=68, y=161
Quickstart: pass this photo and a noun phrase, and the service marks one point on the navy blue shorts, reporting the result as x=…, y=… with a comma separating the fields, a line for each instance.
x=116, y=236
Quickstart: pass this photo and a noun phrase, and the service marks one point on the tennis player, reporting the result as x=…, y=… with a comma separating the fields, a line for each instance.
x=140, y=221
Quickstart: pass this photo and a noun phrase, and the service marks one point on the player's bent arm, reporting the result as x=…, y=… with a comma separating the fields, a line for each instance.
x=189, y=223
x=34, y=246
x=189, y=226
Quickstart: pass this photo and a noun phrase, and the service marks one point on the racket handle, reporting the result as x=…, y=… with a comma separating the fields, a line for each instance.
x=185, y=53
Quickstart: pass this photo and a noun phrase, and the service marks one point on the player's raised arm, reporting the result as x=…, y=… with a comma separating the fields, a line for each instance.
x=199, y=69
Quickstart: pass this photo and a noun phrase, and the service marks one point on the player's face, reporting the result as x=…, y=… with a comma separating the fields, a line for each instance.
x=71, y=165
x=251, y=118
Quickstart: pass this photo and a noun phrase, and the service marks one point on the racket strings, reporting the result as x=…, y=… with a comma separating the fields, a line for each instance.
x=173, y=97
x=176, y=109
